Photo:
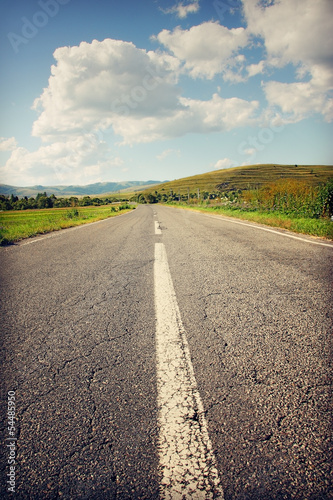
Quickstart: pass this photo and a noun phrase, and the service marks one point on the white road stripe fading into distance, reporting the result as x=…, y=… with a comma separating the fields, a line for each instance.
x=157, y=228
x=187, y=462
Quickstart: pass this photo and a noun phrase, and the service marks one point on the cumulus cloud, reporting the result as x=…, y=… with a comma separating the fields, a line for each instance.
x=294, y=31
x=219, y=114
x=182, y=10
x=7, y=144
x=299, y=100
x=191, y=116
x=114, y=84
x=93, y=85
x=256, y=69
x=205, y=50
x=299, y=32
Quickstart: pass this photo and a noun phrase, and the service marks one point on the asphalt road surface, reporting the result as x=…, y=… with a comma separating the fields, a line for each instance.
x=165, y=353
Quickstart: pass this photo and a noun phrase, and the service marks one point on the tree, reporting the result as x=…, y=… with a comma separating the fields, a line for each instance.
x=85, y=201
x=32, y=203
x=151, y=198
x=13, y=199
x=44, y=202
x=21, y=204
x=74, y=201
x=41, y=195
x=5, y=203
x=96, y=201
x=141, y=198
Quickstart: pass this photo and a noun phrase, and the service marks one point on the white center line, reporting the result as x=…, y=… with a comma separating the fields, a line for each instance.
x=157, y=228
x=187, y=462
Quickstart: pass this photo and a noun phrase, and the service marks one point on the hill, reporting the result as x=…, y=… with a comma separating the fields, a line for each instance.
x=247, y=177
x=74, y=190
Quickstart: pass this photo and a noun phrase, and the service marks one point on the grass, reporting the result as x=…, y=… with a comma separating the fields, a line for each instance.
x=16, y=225
x=322, y=228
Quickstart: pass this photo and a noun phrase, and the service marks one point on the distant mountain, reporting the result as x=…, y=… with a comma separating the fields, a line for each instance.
x=64, y=191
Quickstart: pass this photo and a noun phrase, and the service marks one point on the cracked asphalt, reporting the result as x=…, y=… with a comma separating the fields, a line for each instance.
x=78, y=348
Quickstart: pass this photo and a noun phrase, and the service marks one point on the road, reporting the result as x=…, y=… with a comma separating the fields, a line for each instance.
x=167, y=353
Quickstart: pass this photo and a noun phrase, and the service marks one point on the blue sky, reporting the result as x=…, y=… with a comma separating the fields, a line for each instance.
x=160, y=89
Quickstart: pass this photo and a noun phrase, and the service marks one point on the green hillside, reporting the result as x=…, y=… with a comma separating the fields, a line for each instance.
x=247, y=177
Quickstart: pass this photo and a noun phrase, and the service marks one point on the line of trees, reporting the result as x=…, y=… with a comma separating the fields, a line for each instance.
x=42, y=200
x=157, y=197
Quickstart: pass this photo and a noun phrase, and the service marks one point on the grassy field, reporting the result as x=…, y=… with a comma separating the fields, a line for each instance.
x=247, y=177
x=16, y=225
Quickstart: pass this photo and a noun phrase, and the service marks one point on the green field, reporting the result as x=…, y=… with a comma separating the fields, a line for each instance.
x=18, y=224
x=244, y=178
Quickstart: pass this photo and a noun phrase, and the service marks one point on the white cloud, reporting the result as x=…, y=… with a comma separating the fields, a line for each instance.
x=94, y=84
x=296, y=31
x=83, y=159
x=299, y=100
x=224, y=163
x=182, y=10
x=219, y=114
x=299, y=32
x=256, y=69
x=137, y=96
x=205, y=50
x=190, y=116
x=7, y=144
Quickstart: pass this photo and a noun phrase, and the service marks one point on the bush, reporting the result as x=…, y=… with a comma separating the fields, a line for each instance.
x=72, y=214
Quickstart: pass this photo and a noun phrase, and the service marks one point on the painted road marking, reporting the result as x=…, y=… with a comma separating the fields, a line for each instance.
x=157, y=228
x=187, y=462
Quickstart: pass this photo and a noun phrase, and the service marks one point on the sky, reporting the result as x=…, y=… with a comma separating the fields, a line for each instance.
x=115, y=90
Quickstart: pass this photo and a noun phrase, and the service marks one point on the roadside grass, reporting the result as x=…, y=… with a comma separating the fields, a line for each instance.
x=16, y=225
x=321, y=227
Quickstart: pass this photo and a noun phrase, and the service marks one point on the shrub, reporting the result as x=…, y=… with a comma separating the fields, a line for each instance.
x=72, y=214
x=292, y=197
